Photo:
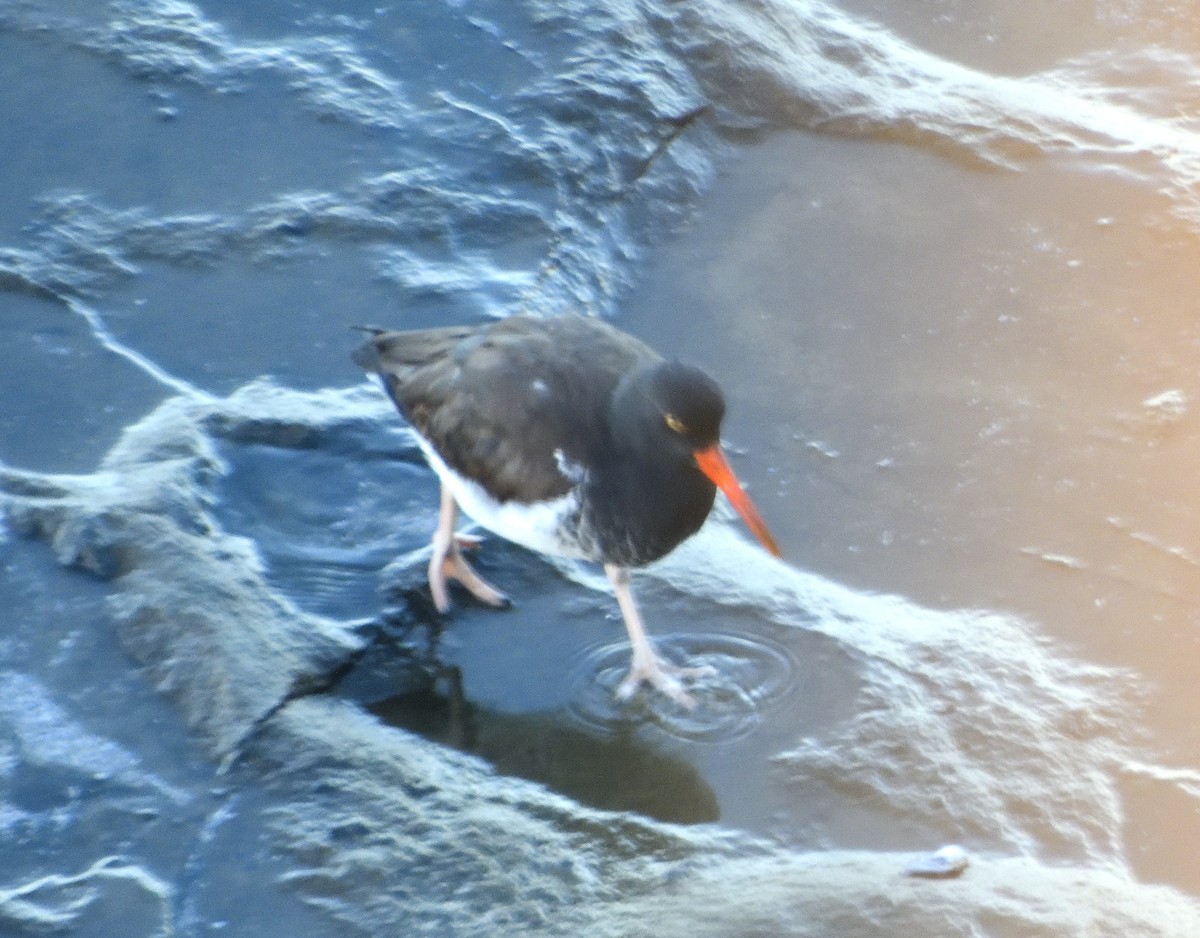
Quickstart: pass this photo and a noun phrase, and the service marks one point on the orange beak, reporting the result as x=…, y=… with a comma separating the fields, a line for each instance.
x=713, y=464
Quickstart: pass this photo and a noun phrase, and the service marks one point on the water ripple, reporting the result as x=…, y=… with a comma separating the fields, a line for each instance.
x=748, y=675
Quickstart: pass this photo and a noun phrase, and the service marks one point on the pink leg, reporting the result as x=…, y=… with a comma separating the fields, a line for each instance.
x=448, y=563
x=647, y=666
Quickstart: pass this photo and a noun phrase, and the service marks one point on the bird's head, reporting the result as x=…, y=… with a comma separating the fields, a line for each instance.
x=676, y=408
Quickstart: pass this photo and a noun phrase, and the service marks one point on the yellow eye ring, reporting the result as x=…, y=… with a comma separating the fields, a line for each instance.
x=674, y=424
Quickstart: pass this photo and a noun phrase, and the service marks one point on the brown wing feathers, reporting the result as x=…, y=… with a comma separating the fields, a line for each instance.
x=489, y=401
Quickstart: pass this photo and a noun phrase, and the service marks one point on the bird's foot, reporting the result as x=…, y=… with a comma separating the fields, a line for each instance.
x=453, y=566
x=662, y=676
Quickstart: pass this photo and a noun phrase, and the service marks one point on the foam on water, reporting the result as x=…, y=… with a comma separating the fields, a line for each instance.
x=809, y=64
x=967, y=723
x=775, y=62
x=601, y=131
x=48, y=736
x=56, y=901
x=481, y=176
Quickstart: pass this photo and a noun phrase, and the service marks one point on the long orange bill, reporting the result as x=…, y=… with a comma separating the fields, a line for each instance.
x=713, y=464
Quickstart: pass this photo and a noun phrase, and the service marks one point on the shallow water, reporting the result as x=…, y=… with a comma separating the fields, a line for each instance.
x=1028, y=460
x=942, y=260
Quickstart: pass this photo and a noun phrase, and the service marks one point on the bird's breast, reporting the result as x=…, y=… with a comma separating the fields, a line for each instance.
x=636, y=517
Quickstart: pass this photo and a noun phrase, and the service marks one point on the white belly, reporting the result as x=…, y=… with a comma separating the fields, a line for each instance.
x=535, y=526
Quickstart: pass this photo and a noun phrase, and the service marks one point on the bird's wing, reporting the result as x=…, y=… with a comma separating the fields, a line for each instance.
x=516, y=406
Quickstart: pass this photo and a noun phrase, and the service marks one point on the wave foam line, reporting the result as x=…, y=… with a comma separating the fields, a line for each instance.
x=112, y=344
x=814, y=66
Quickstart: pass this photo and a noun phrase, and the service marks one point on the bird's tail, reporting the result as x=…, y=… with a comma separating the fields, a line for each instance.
x=366, y=356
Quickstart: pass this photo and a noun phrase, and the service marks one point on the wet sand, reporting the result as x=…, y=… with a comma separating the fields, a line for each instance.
x=973, y=389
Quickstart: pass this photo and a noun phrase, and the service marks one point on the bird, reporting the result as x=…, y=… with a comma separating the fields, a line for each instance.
x=569, y=437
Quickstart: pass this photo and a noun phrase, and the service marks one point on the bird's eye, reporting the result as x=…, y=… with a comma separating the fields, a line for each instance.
x=674, y=424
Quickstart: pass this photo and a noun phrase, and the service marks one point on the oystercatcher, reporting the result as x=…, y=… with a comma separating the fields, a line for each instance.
x=566, y=436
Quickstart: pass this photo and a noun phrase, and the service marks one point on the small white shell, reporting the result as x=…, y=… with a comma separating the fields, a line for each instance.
x=945, y=863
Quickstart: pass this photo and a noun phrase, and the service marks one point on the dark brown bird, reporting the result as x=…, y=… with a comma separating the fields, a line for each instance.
x=569, y=437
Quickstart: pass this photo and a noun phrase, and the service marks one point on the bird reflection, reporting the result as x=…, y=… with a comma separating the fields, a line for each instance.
x=617, y=772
